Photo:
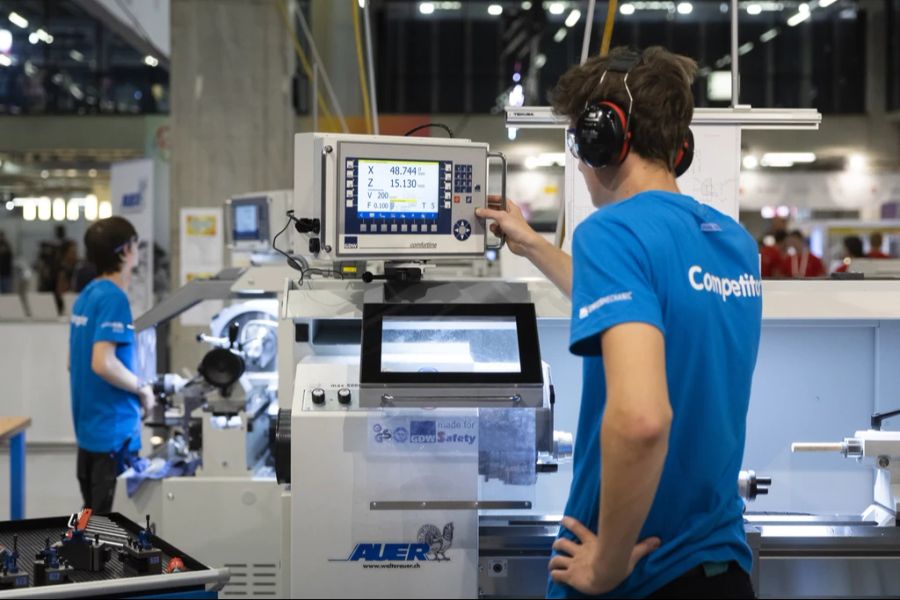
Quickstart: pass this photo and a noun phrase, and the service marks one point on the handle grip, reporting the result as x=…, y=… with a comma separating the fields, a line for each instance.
x=503, y=206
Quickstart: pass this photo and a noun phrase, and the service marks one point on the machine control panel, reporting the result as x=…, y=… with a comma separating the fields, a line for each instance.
x=412, y=199
x=329, y=385
x=395, y=198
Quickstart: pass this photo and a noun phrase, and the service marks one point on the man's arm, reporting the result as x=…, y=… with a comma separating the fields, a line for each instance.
x=106, y=365
x=634, y=435
x=555, y=264
x=634, y=443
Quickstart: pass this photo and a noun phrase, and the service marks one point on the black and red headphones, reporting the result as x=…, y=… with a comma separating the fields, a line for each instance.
x=602, y=135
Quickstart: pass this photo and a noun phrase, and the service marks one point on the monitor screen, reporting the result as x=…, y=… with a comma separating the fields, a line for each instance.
x=397, y=187
x=450, y=344
x=246, y=221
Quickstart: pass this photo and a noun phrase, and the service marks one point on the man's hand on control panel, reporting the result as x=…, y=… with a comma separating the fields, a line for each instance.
x=520, y=237
x=525, y=241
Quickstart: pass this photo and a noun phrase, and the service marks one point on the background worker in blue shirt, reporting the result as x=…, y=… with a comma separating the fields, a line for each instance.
x=107, y=396
x=666, y=310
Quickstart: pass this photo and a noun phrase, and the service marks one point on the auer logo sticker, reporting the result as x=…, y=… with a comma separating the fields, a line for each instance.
x=431, y=545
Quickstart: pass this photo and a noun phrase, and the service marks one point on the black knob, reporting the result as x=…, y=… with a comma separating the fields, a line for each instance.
x=314, y=246
x=318, y=396
x=344, y=396
x=283, y=446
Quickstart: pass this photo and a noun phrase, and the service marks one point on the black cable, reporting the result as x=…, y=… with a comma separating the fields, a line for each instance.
x=291, y=261
x=427, y=125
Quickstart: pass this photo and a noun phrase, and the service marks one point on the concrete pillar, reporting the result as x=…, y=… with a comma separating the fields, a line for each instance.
x=232, y=120
x=332, y=27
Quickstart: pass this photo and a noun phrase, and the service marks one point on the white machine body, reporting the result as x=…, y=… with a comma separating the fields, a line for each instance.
x=385, y=502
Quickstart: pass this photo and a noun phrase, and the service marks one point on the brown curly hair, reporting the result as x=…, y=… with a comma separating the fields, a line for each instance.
x=663, y=102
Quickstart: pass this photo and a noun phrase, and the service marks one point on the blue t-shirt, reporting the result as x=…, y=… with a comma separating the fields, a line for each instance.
x=690, y=271
x=105, y=416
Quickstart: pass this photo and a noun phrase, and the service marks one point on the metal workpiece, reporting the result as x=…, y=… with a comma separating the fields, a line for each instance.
x=750, y=485
x=879, y=450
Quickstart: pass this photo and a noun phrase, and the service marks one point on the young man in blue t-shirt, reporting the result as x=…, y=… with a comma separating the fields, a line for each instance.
x=107, y=396
x=666, y=310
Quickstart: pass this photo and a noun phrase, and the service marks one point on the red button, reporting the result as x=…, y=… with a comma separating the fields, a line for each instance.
x=456, y=199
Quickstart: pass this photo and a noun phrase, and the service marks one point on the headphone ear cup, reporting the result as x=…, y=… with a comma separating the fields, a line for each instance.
x=685, y=155
x=600, y=134
x=622, y=136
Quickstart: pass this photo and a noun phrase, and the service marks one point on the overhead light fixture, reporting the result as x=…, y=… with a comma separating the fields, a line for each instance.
x=560, y=34
x=151, y=61
x=718, y=85
x=10, y=205
x=105, y=209
x=5, y=61
x=362, y=3
x=59, y=209
x=786, y=159
x=526, y=5
x=767, y=212
x=769, y=35
x=33, y=38
x=44, y=208
x=745, y=48
x=540, y=61
x=557, y=8
x=29, y=211
x=517, y=95
x=76, y=56
x=685, y=8
x=754, y=9
x=6, y=40
x=18, y=20
x=803, y=13
x=750, y=162
x=426, y=8
x=44, y=36
x=90, y=207
x=73, y=209
x=45, y=174
x=857, y=162
x=826, y=3
x=573, y=18
x=798, y=18
x=92, y=173
x=495, y=10
x=627, y=9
